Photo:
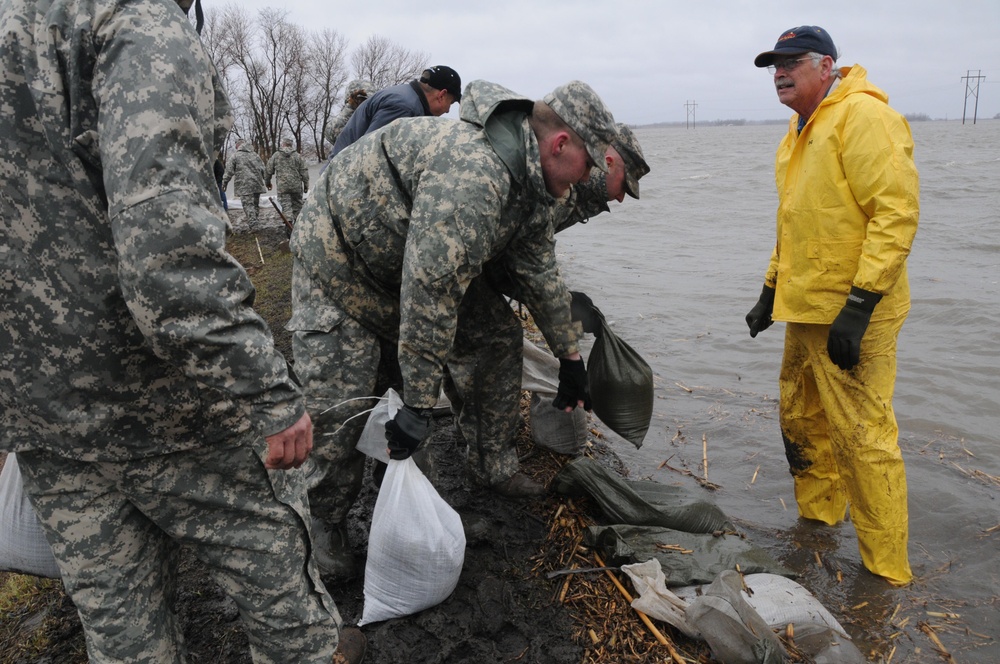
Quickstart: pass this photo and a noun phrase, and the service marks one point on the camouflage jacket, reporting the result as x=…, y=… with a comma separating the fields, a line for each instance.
x=400, y=224
x=289, y=170
x=334, y=128
x=248, y=171
x=125, y=327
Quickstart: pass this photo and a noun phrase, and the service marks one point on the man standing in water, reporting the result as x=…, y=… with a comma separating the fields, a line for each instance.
x=847, y=213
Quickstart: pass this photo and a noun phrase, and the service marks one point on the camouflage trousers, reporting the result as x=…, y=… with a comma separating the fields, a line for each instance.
x=483, y=382
x=116, y=530
x=344, y=368
x=251, y=208
x=291, y=204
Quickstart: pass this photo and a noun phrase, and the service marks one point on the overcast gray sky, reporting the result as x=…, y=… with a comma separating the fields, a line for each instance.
x=648, y=58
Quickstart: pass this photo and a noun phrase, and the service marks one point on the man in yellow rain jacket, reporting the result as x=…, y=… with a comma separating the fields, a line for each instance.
x=848, y=195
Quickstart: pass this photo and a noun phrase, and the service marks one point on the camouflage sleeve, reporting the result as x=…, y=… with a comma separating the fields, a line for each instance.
x=303, y=173
x=269, y=170
x=229, y=172
x=157, y=92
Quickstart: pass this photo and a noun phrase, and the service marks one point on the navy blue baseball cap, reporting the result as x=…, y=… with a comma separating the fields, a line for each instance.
x=442, y=77
x=803, y=39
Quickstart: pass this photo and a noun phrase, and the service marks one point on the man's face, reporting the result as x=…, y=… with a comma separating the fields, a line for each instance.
x=800, y=83
x=440, y=102
x=615, y=181
x=565, y=161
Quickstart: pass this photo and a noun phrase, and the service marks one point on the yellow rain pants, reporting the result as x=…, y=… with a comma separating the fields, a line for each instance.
x=841, y=443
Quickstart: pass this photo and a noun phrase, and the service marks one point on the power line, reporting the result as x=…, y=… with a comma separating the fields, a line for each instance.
x=689, y=106
x=973, y=91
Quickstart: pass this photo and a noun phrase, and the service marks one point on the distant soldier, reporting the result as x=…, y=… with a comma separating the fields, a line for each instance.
x=289, y=169
x=248, y=170
x=358, y=90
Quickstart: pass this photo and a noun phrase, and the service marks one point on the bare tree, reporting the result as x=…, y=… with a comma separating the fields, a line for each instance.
x=328, y=73
x=285, y=82
x=386, y=63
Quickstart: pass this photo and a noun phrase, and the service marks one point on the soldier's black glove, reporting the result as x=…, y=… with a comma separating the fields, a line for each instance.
x=405, y=432
x=844, y=344
x=582, y=309
x=759, y=318
x=573, y=385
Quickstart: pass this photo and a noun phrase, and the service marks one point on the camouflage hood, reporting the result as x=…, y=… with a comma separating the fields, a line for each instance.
x=499, y=112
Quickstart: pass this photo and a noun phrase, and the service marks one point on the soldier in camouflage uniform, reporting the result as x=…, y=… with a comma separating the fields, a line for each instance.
x=357, y=91
x=144, y=397
x=487, y=415
x=247, y=169
x=386, y=250
x=289, y=169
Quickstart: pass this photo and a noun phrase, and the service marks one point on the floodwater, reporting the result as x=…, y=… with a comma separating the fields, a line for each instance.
x=676, y=272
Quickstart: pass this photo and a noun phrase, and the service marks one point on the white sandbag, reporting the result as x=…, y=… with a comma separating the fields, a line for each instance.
x=539, y=369
x=23, y=547
x=556, y=430
x=779, y=601
x=372, y=441
x=734, y=631
x=416, y=546
x=655, y=600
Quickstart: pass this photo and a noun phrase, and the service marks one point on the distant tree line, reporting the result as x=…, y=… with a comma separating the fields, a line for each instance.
x=285, y=81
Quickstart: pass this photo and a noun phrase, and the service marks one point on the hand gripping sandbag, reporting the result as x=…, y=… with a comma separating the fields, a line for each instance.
x=621, y=386
x=23, y=547
x=416, y=546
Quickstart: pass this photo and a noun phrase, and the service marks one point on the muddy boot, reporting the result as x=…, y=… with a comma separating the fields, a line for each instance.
x=332, y=550
x=352, y=647
x=519, y=485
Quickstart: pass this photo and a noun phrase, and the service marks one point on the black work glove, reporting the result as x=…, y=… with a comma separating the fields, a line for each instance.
x=405, y=432
x=844, y=344
x=583, y=310
x=573, y=385
x=759, y=318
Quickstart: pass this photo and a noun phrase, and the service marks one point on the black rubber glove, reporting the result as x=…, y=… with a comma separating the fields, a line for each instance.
x=573, y=385
x=583, y=310
x=759, y=318
x=844, y=344
x=407, y=430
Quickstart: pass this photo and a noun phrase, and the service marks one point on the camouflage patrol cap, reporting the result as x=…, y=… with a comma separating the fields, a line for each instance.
x=358, y=85
x=627, y=145
x=582, y=109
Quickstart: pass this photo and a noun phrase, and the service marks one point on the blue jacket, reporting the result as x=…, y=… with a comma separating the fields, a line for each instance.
x=405, y=100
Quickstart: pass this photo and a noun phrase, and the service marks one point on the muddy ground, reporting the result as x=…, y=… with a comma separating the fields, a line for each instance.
x=503, y=610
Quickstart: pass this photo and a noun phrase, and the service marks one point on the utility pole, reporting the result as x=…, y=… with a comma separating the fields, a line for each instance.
x=971, y=91
x=689, y=107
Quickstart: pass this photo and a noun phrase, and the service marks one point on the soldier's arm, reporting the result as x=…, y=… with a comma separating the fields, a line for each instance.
x=189, y=297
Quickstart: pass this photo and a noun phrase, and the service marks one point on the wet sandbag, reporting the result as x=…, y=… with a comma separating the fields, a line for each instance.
x=686, y=558
x=556, y=430
x=621, y=385
x=734, y=631
x=640, y=503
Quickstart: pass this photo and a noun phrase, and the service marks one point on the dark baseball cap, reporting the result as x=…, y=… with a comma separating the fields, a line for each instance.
x=803, y=39
x=442, y=77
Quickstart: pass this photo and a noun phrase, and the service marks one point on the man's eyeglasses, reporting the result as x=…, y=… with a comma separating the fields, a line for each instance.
x=788, y=65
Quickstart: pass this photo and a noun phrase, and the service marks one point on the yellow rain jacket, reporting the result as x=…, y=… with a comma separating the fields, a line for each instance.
x=848, y=206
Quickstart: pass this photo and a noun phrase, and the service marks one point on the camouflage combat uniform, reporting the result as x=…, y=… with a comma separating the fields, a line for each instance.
x=137, y=382
x=347, y=110
x=386, y=250
x=291, y=175
x=247, y=169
